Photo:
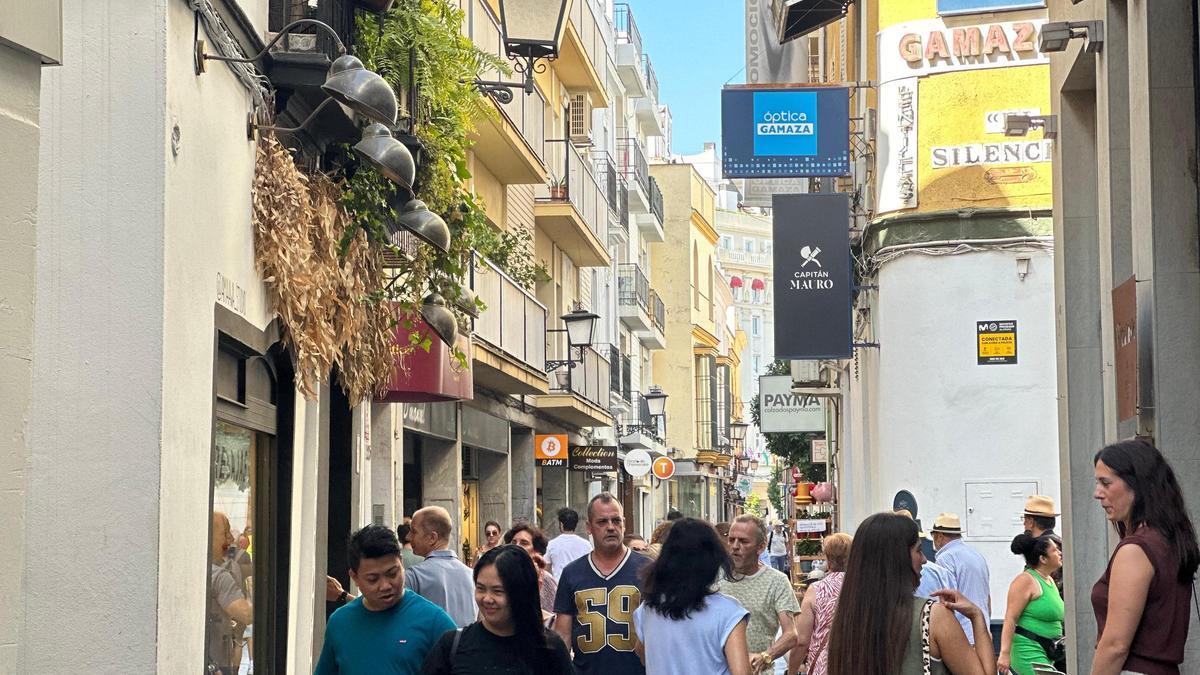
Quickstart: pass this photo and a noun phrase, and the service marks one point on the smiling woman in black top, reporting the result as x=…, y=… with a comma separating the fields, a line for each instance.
x=509, y=638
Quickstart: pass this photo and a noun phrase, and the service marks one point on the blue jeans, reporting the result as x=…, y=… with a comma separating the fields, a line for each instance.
x=780, y=562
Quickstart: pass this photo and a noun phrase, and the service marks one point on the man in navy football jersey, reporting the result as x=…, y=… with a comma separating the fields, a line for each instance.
x=598, y=593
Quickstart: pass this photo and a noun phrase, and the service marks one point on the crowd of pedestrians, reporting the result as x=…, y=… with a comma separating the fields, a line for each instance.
x=692, y=601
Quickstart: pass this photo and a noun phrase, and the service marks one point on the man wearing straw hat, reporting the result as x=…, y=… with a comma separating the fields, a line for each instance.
x=1039, y=518
x=967, y=567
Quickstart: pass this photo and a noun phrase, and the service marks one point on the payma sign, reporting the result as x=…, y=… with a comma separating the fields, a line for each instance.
x=781, y=410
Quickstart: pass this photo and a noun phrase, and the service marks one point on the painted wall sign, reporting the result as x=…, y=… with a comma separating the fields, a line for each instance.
x=550, y=449
x=1008, y=152
x=231, y=294
x=785, y=132
x=784, y=411
x=812, y=275
x=925, y=47
x=996, y=342
x=593, y=458
x=993, y=121
x=897, y=141
x=971, y=6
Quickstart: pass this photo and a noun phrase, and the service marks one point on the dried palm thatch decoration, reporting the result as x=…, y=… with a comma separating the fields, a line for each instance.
x=331, y=302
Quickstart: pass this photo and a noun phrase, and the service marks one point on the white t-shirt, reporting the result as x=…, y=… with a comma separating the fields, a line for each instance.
x=564, y=550
x=778, y=545
x=691, y=646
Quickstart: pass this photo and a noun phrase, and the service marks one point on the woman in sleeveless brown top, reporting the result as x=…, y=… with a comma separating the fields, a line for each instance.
x=1143, y=600
x=879, y=628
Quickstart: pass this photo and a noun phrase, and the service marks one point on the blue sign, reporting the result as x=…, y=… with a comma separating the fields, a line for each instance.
x=785, y=133
x=971, y=6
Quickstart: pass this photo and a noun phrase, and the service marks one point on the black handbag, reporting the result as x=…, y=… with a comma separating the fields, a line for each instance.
x=1055, y=648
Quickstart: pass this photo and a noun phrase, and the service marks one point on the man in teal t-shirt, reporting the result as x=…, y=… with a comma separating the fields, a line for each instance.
x=385, y=630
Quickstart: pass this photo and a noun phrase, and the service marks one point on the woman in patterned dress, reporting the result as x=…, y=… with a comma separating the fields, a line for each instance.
x=816, y=612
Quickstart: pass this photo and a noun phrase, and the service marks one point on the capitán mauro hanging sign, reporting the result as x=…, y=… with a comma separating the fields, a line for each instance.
x=812, y=275
x=781, y=410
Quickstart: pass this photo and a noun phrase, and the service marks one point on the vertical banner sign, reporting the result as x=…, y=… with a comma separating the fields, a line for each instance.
x=812, y=275
x=1124, y=302
x=550, y=449
x=785, y=132
x=898, y=145
x=997, y=342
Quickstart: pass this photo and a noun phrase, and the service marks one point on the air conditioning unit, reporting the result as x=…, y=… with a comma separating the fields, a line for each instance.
x=579, y=119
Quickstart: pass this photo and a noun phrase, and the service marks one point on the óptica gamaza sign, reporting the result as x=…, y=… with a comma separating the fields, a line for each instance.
x=785, y=131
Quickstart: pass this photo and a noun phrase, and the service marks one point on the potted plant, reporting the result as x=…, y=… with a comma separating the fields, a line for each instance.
x=558, y=188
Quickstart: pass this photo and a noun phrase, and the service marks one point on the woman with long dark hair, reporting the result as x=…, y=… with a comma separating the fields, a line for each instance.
x=1033, y=618
x=880, y=627
x=533, y=540
x=1143, y=601
x=684, y=626
x=509, y=636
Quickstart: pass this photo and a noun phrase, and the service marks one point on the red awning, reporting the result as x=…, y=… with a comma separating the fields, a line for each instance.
x=735, y=282
x=757, y=285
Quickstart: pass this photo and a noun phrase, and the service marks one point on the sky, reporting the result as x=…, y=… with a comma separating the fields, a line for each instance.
x=695, y=47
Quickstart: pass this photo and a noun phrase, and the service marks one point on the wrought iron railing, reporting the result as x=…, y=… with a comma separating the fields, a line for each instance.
x=633, y=162
x=514, y=321
x=588, y=377
x=640, y=419
x=651, y=80
x=658, y=311
x=626, y=376
x=656, y=199
x=614, y=360
x=571, y=180
x=623, y=201
x=633, y=288
x=625, y=28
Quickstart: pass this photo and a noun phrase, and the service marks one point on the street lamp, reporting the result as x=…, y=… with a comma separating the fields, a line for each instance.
x=531, y=32
x=580, y=324
x=737, y=431
x=656, y=401
x=440, y=318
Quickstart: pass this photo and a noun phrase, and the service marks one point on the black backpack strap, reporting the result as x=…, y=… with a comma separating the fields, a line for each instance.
x=454, y=645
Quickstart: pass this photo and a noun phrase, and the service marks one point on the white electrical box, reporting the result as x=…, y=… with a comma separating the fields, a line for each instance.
x=994, y=508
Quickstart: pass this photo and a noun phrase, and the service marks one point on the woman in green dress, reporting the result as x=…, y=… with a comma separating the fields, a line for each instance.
x=1034, y=606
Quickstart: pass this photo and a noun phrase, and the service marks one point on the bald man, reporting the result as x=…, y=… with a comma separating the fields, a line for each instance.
x=441, y=578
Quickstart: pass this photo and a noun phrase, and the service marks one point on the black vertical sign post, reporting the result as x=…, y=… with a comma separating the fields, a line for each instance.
x=813, y=278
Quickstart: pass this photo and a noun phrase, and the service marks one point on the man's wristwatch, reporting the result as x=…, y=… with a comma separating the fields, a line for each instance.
x=342, y=596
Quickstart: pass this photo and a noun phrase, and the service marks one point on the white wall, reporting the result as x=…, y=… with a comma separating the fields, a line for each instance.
x=91, y=562
x=940, y=419
x=20, y=80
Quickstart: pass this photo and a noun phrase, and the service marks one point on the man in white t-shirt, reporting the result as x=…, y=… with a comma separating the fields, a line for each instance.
x=568, y=546
x=777, y=547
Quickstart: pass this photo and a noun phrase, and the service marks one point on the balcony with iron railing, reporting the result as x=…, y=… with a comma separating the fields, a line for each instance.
x=654, y=338
x=656, y=199
x=631, y=161
x=613, y=184
x=579, y=392
x=633, y=297
x=638, y=428
x=512, y=143
x=509, y=334
x=646, y=107
x=572, y=208
x=629, y=51
x=584, y=54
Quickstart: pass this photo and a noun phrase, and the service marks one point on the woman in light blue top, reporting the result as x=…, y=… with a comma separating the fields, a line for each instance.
x=684, y=626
